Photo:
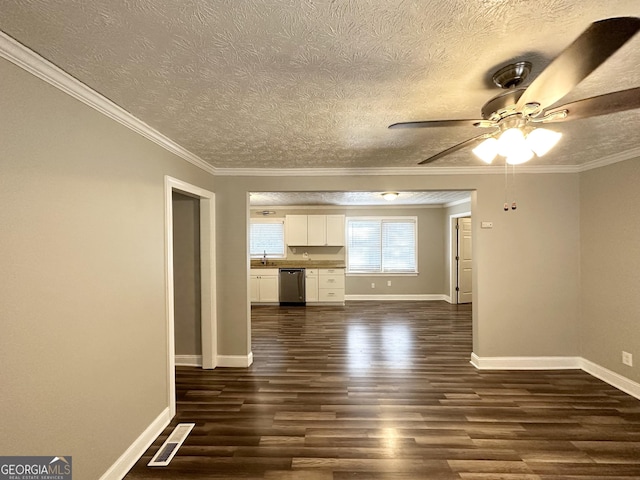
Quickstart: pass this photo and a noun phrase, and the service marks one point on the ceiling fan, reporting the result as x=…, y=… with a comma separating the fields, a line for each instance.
x=515, y=115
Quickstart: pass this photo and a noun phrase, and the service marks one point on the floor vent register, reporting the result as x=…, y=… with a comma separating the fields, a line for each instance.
x=171, y=445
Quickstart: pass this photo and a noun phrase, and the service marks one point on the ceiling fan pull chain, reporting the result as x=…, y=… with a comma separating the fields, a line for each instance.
x=513, y=204
x=506, y=187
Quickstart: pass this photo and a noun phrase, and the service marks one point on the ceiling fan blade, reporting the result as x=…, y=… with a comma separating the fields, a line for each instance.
x=455, y=148
x=594, y=106
x=436, y=123
x=595, y=45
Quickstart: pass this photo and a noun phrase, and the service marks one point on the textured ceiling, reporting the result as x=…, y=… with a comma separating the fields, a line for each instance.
x=315, y=83
x=356, y=198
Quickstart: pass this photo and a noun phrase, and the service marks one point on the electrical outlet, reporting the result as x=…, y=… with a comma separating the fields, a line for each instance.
x=373, y=285
x=388, y=283
x=627, y=358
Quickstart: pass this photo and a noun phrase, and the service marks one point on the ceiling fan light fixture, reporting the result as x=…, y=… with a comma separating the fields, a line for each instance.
x=487, y=150
x=541, y=140
x=519, y=157
x=390, y=196
x=511, y=143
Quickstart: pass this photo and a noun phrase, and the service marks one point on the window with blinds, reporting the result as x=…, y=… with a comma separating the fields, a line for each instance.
x=266, y=235
x=382, y=245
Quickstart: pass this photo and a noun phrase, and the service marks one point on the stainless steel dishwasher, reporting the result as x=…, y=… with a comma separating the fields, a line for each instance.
x=292, y=286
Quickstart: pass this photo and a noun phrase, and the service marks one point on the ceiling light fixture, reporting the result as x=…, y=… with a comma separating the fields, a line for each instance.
x=541, y=140
x=517, y=147
x=390, y=196
x=487, y=150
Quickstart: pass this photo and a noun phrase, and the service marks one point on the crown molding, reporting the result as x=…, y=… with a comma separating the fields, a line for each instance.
x=611, y=159
x=427, y=171
x=390, y=171
x=28, y=60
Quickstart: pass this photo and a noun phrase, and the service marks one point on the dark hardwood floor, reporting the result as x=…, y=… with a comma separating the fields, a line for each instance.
x=385, y=390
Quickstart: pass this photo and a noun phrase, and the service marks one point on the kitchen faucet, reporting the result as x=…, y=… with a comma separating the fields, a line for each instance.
x=264, y=258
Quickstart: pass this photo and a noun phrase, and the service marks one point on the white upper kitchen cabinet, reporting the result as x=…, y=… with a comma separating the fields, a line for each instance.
x=315, y=230
x=335, y=231
x=296, y=229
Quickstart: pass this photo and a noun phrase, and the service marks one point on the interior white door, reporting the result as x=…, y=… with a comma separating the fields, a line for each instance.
x=464, y=260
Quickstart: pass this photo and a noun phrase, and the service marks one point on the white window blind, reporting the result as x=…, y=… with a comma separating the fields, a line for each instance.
x=266, y=235
x=382, y=245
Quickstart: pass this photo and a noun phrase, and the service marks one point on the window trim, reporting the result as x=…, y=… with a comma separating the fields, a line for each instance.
x=382, y=219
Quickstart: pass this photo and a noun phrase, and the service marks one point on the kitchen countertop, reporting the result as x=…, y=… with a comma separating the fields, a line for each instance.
x=298, y=264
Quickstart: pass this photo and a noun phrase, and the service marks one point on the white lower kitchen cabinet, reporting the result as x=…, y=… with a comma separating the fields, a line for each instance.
x=264, y=285
x=331, y=295
x=311, y=284
x=331, y=285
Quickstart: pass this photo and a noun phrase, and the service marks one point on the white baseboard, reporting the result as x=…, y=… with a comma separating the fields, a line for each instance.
x=447, y=299
x=235, y=361
x=188, y=360
x=558, y=363
x=129, y=458
x=417, y=297
x=612, y=378
x=324, y=304
x=525, y=363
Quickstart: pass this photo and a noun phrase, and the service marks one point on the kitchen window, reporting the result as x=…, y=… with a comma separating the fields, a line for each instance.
x=266, y=236
x=382, y=245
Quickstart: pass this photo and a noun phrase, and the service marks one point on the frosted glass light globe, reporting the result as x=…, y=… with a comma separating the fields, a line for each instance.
x=487, y=150
x=541, y=140
x=511, y=142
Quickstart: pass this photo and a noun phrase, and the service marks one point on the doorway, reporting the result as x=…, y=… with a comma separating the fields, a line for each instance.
x=187, y=304
x=208, y=331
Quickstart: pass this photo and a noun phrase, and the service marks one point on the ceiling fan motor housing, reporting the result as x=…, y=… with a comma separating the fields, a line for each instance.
x=512, y=75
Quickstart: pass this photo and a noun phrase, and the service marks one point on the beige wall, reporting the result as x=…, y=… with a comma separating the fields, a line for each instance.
x=186, y=274
x=84, y=347
x=526, y=267
x=610, y=270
